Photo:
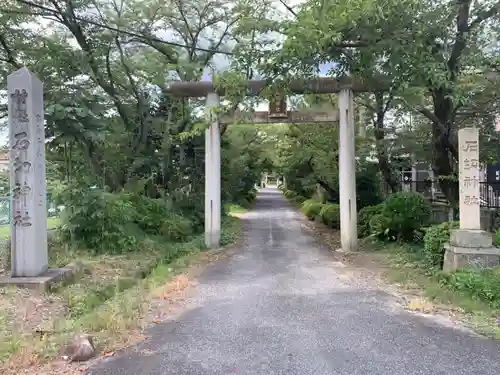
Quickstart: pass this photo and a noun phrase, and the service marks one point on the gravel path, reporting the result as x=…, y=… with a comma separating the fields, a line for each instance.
x=283, y=305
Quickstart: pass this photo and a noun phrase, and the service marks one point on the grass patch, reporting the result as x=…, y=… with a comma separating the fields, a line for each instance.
x=233, y=208
x=236, y=209
x=408, y=268
x=109, y=299
x=52, y=223
x=231, y=230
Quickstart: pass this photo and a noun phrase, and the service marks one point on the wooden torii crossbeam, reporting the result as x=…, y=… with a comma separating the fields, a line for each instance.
x=345, y=86
x=297, y=86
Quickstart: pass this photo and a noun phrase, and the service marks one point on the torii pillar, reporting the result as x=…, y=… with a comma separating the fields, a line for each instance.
x=212, y=174
x=347, y=172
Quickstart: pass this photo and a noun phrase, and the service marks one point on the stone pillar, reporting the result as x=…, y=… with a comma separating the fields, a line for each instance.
x=29, y=256
x=470, y=246
x=347, y=173
x=469, y=177
x=212, y=175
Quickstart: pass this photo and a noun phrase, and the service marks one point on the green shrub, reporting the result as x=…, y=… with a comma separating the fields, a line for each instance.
x=367, y=186
x=330, y=215
x=364, y=217
x=149, y=212
x=305, y=204
x=478, y=284
x=98, y=221
x=176, y=228
x=190, y=206
x=311, y=208
x=497, y=238
x=230, y=231
x=404, y=213
x=380, y=227
x=289, y=194
x=299, y=199
x=246, y=200
x=435, y=238
x=115, y=223
x=251, y=195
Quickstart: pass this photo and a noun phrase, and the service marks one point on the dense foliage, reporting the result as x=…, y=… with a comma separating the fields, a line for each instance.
x=478, y=284
x=435, y=238
x=364, y=217
x=330, y=215
x=311, y=208
x=405, y=213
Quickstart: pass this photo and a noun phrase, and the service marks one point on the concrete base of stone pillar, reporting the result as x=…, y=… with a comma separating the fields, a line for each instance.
x=43, y=282
x=470, y=248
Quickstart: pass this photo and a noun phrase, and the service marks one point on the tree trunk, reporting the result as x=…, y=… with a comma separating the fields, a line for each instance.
x=444, y=151
x=383, y=158
x=332, y=192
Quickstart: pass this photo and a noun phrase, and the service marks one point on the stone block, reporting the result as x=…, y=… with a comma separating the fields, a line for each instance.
x=471, y=238
x=471, y=248
x=43, y=282
x=467, y=257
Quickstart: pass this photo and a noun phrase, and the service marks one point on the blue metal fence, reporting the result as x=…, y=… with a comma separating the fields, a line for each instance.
x=489, y=192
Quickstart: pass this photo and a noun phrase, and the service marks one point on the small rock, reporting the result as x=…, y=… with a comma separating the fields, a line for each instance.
x=80, y=349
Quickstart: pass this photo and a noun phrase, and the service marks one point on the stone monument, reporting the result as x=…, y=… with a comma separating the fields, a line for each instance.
x=470, y=246
x=27, y=175
x=29, y=255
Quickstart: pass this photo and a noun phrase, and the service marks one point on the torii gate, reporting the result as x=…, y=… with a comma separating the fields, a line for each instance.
x=345, y=86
